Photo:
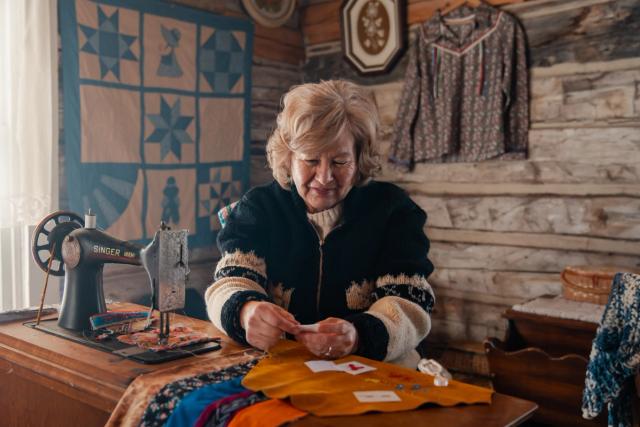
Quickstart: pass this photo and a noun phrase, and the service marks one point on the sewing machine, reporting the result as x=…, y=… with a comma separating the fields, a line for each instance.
x=66, y=245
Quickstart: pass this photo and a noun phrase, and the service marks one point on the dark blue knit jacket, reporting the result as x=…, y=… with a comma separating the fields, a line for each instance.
x=380, y=241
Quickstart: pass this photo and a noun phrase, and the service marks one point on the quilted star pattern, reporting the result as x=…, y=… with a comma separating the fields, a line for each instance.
x=108, y=43
x=170, y=128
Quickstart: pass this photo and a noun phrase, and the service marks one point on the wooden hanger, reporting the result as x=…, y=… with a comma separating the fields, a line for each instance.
x=454, y=4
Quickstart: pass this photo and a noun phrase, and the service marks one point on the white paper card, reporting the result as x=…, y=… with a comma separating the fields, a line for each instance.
x=308, y=328
x=376, y=396
x=321, y=365
x=355, y=368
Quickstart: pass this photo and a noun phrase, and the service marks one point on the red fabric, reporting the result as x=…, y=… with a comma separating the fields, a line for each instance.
x=206, y=414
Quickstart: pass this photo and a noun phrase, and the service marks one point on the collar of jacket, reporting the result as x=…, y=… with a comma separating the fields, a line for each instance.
x=352, y=203
x=436, y=28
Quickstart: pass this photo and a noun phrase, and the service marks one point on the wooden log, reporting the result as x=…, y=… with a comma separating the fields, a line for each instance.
x=321, y=22
x=445, y=330
x=282, y=35
x=535, y=240
x=531, y=172
x=260, y=172
x=614, y=145
x=481, y=189
x=468, y=310
x=612, y=217
x=509, y=285
x=268, y=75
x=267, y=96
x=511, y=258
x=268, y=48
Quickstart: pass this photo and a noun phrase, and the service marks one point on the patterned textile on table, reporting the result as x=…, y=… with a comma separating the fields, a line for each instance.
x=212, y=404
x=154, y=395
x=615, y=355
x=284, y=375
x=465, y=95
x=156, y=114
x=161, y=407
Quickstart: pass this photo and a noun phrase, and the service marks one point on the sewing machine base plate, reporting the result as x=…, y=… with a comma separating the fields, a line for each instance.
x=112, y=345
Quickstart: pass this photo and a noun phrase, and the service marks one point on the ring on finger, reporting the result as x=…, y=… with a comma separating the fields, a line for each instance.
x=328, y=352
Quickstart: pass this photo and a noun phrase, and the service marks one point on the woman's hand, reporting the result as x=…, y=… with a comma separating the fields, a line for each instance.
x=335, y=338
x=265, y=323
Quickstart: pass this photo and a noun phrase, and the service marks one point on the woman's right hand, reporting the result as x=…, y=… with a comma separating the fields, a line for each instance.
x=264, y=323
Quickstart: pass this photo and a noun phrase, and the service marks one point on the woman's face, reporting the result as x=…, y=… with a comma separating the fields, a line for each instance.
x=325, y=179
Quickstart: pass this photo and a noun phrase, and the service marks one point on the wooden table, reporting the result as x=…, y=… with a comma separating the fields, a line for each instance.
x=47, y=380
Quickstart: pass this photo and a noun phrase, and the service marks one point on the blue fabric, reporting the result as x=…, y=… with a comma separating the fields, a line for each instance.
x=168, y=397
x=191, y=406
x=615, y=354
x=157, y=112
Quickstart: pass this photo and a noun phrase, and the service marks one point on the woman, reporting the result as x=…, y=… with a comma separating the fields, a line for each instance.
x=324, y=244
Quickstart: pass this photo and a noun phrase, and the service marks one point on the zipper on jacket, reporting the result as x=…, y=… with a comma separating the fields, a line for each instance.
x=320, y=244
x=319, y=286
x=319, y=280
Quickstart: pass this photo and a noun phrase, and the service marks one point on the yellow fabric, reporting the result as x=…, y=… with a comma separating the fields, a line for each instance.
x=283, y=374
x=270, y=413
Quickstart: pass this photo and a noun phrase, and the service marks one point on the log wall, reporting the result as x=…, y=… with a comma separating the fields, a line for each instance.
x=501, y=232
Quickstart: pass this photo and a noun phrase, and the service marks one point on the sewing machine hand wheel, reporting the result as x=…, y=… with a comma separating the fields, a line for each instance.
x=49, y=235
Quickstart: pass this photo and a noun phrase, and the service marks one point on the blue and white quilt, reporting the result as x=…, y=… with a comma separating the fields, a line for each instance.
x=156, y=114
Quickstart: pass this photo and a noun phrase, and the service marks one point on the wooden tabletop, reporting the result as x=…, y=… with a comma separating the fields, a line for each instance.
x=98, y=379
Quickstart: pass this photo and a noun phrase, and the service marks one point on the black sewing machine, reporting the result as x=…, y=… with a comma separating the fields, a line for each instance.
x=66, y=245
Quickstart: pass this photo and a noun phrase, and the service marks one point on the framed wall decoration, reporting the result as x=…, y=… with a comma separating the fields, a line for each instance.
x=372, y=34
x=270, y=13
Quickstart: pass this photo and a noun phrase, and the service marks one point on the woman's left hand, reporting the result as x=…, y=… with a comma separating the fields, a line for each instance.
x=335, y=338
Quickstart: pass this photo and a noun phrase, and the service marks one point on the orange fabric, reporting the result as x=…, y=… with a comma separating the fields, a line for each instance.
x=270, y=413
x=283, y=374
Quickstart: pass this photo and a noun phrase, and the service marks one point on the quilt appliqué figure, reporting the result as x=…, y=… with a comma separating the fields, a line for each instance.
x=169, y=66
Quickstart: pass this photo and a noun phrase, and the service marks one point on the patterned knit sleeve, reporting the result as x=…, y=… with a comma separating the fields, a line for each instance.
x=241, y=273
x=400, y=316
x=402, y=153
x=516, y=89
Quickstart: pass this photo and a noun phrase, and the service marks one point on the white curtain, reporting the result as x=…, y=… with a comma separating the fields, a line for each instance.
x=28, y=140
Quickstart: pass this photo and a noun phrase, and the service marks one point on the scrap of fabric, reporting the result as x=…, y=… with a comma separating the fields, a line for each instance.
x=179, y=336
x=284, y=374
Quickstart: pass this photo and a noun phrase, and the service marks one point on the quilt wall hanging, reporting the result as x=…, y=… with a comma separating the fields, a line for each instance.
x=156, y=114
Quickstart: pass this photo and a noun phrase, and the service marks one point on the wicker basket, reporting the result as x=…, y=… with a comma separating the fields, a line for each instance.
x=588, y=283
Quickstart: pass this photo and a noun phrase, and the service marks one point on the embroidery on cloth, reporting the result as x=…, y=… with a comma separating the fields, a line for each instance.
x=280, y=295
x=361, y=295
x=615, y=354
x=414, y=288
x=168, y=397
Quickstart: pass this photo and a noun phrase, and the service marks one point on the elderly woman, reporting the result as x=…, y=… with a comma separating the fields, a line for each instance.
x=324, y=253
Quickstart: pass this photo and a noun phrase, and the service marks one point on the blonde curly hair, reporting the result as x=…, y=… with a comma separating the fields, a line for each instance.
x=314, y=115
